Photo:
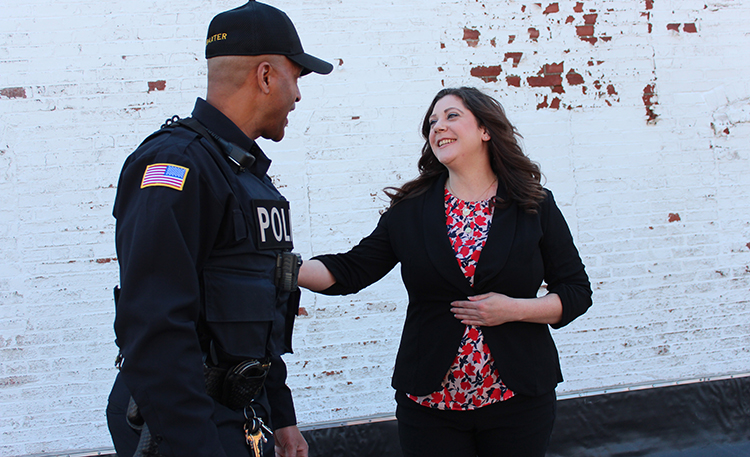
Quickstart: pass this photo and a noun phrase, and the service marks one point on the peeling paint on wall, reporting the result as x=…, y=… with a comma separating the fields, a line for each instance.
x=574, y=76
x=649, y=95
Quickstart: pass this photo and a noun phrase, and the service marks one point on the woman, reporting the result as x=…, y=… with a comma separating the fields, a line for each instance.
x=476, y=234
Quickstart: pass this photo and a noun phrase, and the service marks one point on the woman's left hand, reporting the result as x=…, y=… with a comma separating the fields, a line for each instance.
x=486, y=310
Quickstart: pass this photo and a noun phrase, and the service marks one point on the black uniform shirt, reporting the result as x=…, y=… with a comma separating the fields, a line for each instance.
x=194, y=268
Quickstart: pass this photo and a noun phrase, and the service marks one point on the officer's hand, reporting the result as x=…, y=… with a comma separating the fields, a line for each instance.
x=289, y=442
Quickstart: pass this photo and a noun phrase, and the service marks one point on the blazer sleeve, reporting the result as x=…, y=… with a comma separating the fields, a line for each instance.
x=364, y=264
x=564, y=271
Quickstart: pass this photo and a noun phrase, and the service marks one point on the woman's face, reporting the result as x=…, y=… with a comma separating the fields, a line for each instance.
x=455, y=135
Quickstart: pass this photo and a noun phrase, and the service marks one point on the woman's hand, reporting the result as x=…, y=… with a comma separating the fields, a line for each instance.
x=492, y=309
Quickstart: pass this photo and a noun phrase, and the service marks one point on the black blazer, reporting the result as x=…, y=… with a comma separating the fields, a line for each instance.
x=521, y=251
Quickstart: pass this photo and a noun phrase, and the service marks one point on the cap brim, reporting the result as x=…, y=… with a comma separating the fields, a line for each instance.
x=312, y=64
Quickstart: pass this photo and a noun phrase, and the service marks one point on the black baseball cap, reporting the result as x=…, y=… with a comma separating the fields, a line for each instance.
x=255, y=29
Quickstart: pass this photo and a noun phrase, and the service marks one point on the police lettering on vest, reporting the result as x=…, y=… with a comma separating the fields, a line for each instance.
x=273, y=224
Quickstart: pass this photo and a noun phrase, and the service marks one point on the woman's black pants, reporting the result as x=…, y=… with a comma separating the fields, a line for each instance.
x=518, y=427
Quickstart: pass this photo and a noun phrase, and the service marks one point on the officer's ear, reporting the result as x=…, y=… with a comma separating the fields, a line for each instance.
x=263, y=76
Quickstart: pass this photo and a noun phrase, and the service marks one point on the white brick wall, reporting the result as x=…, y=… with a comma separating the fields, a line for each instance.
x=655, y=187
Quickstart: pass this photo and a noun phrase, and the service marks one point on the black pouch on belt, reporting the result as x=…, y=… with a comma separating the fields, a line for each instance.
x=243, y=383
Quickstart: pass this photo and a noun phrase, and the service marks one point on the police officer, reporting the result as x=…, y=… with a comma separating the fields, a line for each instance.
x=206, y=275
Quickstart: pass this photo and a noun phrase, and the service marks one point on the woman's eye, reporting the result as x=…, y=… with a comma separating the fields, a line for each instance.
x=432, y=122
x=452, y=115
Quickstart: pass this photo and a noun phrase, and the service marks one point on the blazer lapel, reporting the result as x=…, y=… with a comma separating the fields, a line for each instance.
x=496, y=249
x=439, y=248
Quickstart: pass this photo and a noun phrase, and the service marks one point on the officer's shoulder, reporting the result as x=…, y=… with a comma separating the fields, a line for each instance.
x=173, y=144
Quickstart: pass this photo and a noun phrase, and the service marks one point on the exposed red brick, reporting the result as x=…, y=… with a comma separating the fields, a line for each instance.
x=590, y=39
x=440, y=69
x=555, y=103
x=543, y=104
x=748, y=245
x=13, y=92
x=533, y=33
x=157, y=85
x=554, y=68
x=558, y=90
x=552, y=8
x=689, y=28
x=106, y=260
x=493, y=43
x=585, y=30
x=649, y=92
x=545, y=81
x=302, y=312
x=515, y=56
x=590, y=18
x=471, y=37
x=675, y=27
x=650, y=27
x=574, y=78
x=523, y=8
x=578, y=8
x=726, y=130
x=514, y=81
x=674, y=217
x=611, y=90
x=511, y=39
x=649, y=4
x=442, y=45
x=598, y=84
x=487, y=74
x=606, y=38
x=570, y=19
x=585, y=90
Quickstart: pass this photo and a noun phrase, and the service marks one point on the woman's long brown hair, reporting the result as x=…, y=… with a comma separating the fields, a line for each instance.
x=520, y=176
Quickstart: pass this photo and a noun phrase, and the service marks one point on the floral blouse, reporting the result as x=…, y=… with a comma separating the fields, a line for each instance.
x=472, y=380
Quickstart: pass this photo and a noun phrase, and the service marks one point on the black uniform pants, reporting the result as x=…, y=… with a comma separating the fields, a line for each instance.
x=518, y=427
x=229, y=424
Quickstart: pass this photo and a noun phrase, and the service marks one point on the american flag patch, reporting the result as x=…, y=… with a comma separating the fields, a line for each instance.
x=164, y=174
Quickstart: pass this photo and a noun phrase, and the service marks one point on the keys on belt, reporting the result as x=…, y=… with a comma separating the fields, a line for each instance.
x=255, y=432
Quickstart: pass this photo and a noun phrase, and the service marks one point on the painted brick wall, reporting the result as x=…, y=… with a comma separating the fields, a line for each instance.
x=637, y=110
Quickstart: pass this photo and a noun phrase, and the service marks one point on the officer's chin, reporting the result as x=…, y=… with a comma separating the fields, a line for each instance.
x=275, y=136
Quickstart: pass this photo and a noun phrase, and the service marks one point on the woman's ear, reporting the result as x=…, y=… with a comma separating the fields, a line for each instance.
x=485, y=135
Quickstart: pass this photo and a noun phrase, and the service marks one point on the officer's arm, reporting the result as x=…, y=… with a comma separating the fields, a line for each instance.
x=162, y=234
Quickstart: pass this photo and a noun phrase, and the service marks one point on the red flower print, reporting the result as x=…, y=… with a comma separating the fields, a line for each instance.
x=473, y=333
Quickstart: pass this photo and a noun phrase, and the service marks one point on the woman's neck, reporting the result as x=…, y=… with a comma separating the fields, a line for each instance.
x=475, y=185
